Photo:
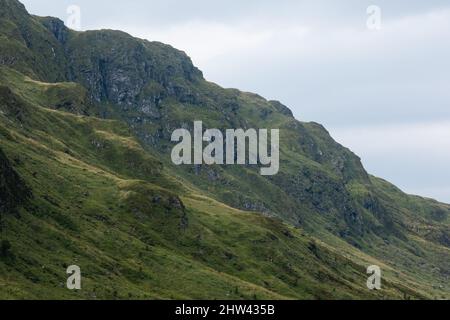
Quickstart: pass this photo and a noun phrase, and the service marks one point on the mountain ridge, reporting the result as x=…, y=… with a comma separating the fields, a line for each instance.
x=94, y=79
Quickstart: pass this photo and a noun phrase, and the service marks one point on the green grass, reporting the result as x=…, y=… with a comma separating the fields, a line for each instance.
x=133, y=239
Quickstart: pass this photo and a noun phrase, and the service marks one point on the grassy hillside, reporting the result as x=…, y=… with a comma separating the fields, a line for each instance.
x=85, y=125
x=94, y=206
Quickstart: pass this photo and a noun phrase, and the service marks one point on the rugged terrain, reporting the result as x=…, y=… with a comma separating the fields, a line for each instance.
x=86, y=179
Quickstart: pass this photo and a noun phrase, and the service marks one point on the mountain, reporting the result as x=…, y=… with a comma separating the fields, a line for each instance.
x=86, y=178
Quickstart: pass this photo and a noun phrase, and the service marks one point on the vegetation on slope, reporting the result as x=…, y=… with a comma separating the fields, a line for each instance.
x=94, y=207
x=85, y=122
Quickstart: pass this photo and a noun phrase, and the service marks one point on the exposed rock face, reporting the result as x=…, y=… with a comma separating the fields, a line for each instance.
x=282, y=108
x=13, y=191
x=57, y=28
x=12, y=8
x=132, y=73
x=30, y=48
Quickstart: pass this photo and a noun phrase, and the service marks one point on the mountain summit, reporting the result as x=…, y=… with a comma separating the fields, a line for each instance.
x=85, y=128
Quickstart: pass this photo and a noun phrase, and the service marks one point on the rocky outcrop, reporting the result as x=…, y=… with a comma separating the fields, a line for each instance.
x=57, y=28
x=131, y=73
x=281, y=108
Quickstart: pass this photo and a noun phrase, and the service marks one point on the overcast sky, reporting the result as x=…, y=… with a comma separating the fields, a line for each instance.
x=383, y=93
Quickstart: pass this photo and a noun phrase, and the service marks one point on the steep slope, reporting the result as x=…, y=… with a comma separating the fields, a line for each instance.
x=150, y=89
x=26, y=44
x=101, y=201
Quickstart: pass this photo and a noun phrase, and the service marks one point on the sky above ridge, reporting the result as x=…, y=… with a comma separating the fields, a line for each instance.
x=378, y=80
